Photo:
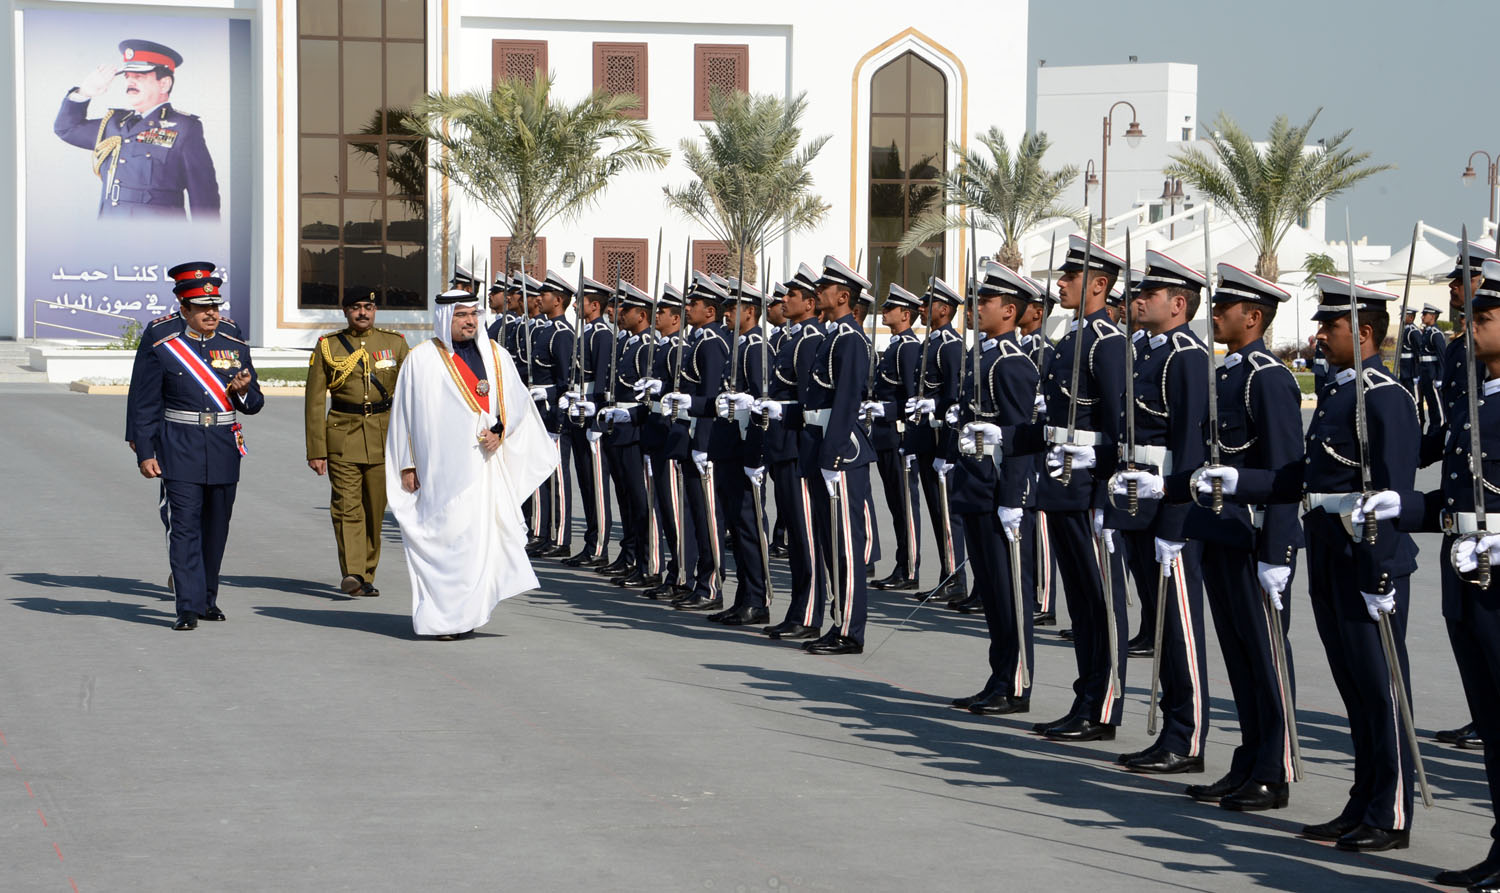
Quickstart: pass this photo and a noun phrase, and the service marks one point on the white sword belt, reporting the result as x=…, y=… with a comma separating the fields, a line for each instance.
x=680, y=415
x=1058, y=436
x=1332, y=503
x=1159, y=456
x=818, y=418
x=202, y=419
x=1463, y=523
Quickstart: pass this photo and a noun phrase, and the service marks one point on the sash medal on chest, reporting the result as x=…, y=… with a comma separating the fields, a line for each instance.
x=210, y=383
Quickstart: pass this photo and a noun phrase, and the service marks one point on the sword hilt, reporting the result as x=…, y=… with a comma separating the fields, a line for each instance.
x=1218, y=495
x=1372, y=526
x=1133, y=495
x=1066, y=477
x=1482, y=556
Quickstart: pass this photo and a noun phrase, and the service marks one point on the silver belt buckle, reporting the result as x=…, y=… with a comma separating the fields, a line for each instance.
x=208, y=419
x=1448, y=522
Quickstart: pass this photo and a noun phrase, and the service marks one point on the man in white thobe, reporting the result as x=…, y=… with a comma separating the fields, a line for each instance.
x=465, y=447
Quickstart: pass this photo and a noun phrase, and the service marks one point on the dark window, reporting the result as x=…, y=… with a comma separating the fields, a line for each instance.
x=621, y=68
x=711, y=256
x=722, y=65
x=621, y=259
x=908, y=128
x=536, y=269
x=362, y=216
x=518, y=59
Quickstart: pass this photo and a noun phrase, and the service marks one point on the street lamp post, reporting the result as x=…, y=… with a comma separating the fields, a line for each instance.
x=1090, y=182
x=1171, y=194
x=1133, y=136
x=1492, y=166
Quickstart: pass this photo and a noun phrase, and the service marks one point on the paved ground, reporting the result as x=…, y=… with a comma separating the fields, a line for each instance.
x=587, y=739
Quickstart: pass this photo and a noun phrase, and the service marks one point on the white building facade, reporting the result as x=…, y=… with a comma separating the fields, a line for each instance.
x=322, y=190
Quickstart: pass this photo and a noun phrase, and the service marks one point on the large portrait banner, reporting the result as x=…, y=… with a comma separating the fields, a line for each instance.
x=136, y=158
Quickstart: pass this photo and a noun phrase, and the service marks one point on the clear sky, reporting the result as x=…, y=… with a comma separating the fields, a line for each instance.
x=1410, y=79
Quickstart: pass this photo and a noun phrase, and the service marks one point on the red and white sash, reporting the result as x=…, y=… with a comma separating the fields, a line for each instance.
x=200, y=371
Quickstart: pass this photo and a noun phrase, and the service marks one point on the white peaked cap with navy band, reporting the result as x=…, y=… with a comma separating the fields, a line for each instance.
x=1237, y=285
x=938, y=290
x=751, y=294
x=806, y=279
x=671, y=296
x=836, y=272
x=1164, y=272
x=1002, y=280
x=705, y=287
x=1336, y=297
x=1099, y=259
x=1478, y=254
x=896, y=296
x=556, y=282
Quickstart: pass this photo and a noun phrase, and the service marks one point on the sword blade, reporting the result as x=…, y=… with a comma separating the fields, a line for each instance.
x=1019, y=609
x=1283, y=683
x=1161, y=628
x=1398, y=685
x=760, y=534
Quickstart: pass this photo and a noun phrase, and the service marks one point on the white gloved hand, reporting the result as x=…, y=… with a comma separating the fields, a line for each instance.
x=582, y=409
x=723, y=407
x=565, y=402
x=1166, y=554
x=740, y=401
x=700, y=459
x=1226, y=473
x=769, y=408
x=649, y=386
x=917, y=405
x=675, y=401
x=1010, y=521
x=910, y=459
x=1083, y=458
x=758, y=475
x=1148, y=485
x=616, y=414
x=1101, y=532
x=539, y=394
x=1490, y=543
x=1273, y=579
x=942, y=466
x=1383, y=504
x=983, y=432
x=872, y=408
x=831, y=481
x=593, y=435
x=951, y=416
x=1041, y=404
x=1379, y=604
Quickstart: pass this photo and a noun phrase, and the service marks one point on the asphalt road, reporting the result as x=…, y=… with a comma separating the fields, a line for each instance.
x=586, y=738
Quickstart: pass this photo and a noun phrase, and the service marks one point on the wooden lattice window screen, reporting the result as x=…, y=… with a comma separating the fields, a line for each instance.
x=712, y=257
x=722, y=65
x=524, y=59
x=498, y=246
x=631, y=257
x=621, y=68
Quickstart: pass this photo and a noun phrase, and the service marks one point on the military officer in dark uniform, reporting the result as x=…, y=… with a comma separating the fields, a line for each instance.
x=990, y=489
x=1075, y=508
x=1170, y=414
x=664, y=439
x=1250, y=548
x=590, y=463
x=356, y=368
x=185, y=400
x=703, y=367
x=551, y=366
x=791, y=377
x=776, y=318
x=619, y=419
x=1040, y=562
x=939, y=375
x=146, y=156
x=895, y=383
x=836, y=455
x=1408, y=350
x=1429, y=344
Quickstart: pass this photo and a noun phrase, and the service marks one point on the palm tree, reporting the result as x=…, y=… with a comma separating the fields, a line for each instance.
x=530, y=159
x=753, y=185
x=1008, y=193
x=1318, y=263
x=1266, y=191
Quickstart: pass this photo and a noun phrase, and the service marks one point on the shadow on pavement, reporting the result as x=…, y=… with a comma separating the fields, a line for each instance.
x=116, y=585
x=128, y=611
x=287, y=585
x=397, y=626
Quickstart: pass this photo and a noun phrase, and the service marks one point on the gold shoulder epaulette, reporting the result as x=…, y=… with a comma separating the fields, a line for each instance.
x=166, y=339
x=391, y=332
x=231, y=338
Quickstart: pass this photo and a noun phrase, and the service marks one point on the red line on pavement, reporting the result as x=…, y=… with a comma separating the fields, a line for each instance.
x=40, y=816
x=14, y=763
x=59, y=850
x=73, y=884
x=28, y=790
x=2, y=737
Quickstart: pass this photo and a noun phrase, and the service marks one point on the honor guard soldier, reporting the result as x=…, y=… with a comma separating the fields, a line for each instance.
x=551, y=365
x=938, y=377
x=1250, y=546
x=776, y=318
x=1171, y=390
x=895, y=384
x=1041, y=563
x=355, y=368
x=991, y=489
x=791, y=380
x=146, y=156
x=1471, y=596
x=590, y=463
x=499, y=303
x=464, y=280
x=702, y=378
x=735, y=447
x=1352, y=580
x=619, y=419
x=836, y=455
x=863, y=306
x=1408, y=350
x=184, y=400
x=664, y=440
x=1080, y=443
x=1430, y=343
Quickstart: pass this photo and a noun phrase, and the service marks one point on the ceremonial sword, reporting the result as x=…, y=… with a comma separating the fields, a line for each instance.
x=1411, y=259
x=655, y=520
x=1127, y=444
x=1213, y=379
x=1079, y=314
x=1476, y=447
x=677, y=482
x=757, y=492
x=614, y=346
x=870, y=381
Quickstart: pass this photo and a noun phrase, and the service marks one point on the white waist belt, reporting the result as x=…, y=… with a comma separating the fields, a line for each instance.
x=1463, y=523
x=680, y=415
x=202, y=419
x=817, y=417
x=1153, y=455
x=1429, y=359
x=1332, y=503
x=623, y=406
x=1406, y=356
x=1057, y=436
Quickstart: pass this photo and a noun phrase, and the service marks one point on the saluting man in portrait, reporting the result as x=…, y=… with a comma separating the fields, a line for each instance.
x=148, y=155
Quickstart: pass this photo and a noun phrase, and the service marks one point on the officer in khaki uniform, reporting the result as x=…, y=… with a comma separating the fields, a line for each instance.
x=357, y=368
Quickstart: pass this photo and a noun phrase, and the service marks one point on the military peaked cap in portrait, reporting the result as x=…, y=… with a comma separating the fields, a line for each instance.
x=147, y=55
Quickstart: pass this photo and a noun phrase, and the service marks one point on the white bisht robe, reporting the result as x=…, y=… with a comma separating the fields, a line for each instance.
x=464, y=534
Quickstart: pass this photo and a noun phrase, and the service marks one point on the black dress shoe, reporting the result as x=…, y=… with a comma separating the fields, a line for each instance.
x=1258, y=796
x=618, y=565
x=578, y=559
x=1065, y=634
x=971, y=605
x=1000, y=705
x=896, y=580
x=1164, y=762
x=745, y=616
x=1468, y=877
x=639, y=580
x=1044, y=618
x=216, y=614
x=963, y=703
x=1124, y=758
x=557, y=551
x=792, y=631
x=684, y=596
x=1365, y=839
x=699, y=604
x=535, y=547
x=624, y=570
x=592, y=563
x=870, y=570
x=186, y=620
x=1490, y=884
x=953, y=589
x=1141, y=646
x=837, y=645
x=1330, y=830
x=1471, y=741
x=1451, y=736
x=1213, y=793
x=719, y=616
x=665, y=591
x=1042, y=727
x=1080, y=729
x=779, y=550
x=961, y=596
